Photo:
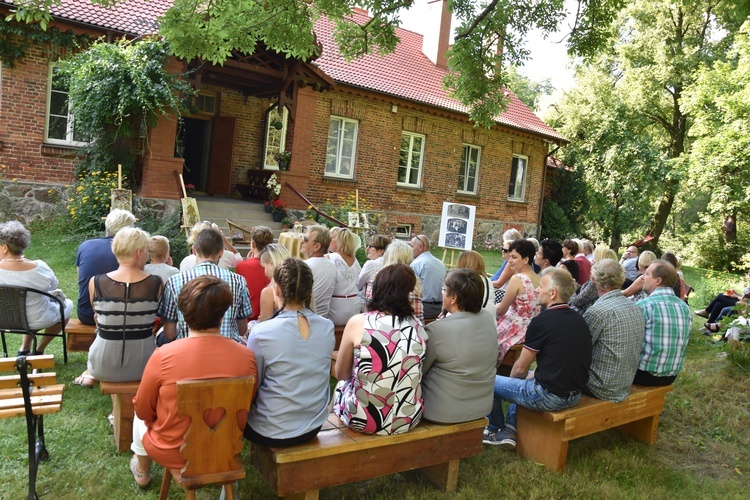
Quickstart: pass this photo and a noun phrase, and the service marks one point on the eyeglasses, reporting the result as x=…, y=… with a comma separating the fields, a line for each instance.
x=304, y=239
x=419, y=237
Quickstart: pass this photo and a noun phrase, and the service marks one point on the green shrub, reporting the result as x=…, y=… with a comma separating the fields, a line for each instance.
x=89, y=201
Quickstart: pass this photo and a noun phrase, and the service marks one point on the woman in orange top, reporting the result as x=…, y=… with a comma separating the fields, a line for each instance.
x=158, y=431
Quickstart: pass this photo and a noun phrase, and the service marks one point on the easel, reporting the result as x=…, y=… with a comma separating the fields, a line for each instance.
x=450, y=264
x=190, y=215
x=121, y=198
x=356, y=227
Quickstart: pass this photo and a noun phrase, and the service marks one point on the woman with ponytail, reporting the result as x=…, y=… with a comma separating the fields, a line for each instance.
x=293, y=353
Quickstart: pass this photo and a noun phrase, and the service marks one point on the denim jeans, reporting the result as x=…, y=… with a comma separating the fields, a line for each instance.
x=527, y=393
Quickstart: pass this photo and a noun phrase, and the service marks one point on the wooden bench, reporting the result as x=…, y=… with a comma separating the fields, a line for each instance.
x=510, y=359
x=339, y=455
x=543, y=436
x=122, y=410
x=80, y=336
x=32, y=395
x=257, y=185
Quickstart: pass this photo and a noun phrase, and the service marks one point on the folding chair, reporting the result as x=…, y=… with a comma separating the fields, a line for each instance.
x=13, y=316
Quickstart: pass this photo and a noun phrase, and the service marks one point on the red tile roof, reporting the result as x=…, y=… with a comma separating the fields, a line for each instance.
x=409, y=74
x=406, y=73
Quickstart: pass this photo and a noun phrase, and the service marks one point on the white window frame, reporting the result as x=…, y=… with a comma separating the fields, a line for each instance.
x=465, y=168
x=271, y=164
x=409, y=167
x=70, y=127
x=340, y=146
x=403, y=232
x=514, y=196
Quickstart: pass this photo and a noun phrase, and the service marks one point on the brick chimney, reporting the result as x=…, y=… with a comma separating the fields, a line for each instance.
x=435, y=42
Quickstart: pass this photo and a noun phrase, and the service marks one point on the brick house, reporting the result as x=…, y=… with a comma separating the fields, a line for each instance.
x=382, y=125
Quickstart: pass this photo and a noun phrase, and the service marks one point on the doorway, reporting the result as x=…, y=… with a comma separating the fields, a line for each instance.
x=194, y=146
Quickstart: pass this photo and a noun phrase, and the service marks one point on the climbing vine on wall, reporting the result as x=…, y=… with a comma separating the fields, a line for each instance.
x=117, y=92
x=16, y=38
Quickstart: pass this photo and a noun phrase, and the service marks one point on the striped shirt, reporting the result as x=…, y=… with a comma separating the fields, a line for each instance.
x=240, y=308
x=668, y=324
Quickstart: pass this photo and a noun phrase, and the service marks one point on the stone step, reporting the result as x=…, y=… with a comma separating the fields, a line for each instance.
x=218, y=209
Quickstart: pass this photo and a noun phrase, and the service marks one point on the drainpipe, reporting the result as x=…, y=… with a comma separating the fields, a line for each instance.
x=541, y=196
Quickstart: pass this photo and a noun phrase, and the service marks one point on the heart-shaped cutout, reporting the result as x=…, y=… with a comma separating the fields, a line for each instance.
x=213, y=417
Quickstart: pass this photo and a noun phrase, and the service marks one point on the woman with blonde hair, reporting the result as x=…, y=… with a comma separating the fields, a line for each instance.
x=470, y=259
x=344, y=301
x=635, y=292
x=271, y=256
x=400, y=252
x=125, y=303
x=229, y=259
x=587, y=294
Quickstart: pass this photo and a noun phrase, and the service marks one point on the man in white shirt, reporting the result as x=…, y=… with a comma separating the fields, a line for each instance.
x=314, y=246
x=629, y=262
x=431, y=272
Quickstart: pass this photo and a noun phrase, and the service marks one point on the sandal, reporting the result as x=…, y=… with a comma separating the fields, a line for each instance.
x=701, y=312
x=142, y=479
x=712, y=327
x=85, y=380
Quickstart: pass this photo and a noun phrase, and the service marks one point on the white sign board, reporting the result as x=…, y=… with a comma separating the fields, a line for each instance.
x=457, y=226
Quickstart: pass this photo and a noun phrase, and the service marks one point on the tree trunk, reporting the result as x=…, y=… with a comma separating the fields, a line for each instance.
x=729, y=228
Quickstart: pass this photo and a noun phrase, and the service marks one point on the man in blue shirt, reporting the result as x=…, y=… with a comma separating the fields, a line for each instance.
x=431, y=273
x=95, y=257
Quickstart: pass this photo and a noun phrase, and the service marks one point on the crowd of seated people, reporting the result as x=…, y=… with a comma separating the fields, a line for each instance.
x=393, y=370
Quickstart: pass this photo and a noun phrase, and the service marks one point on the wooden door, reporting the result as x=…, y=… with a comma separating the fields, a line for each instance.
x=220, y=163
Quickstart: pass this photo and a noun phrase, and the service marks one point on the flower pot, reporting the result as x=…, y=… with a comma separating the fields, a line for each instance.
x=283, y=165
x=268, y=208
x=278, y=216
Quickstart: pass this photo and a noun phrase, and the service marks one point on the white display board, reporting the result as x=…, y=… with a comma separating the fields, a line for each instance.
x=457, y=226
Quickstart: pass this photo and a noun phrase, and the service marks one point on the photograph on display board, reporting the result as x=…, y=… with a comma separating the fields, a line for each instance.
x=457, y=226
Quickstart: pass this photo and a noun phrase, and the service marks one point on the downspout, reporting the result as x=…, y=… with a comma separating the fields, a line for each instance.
x=541, y=196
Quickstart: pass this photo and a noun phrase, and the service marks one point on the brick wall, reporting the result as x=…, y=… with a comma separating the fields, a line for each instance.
x=376, y=164
x=23, y=100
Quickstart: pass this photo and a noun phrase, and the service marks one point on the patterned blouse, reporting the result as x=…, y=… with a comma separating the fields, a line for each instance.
x=384, y=395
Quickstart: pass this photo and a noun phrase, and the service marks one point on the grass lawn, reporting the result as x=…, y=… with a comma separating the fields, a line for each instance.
x=703, y=448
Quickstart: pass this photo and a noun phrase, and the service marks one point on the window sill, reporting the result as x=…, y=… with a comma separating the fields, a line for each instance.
x=59, y=150
x=341, y=181
x=400, y=188
x=518, y=202
x=473, y=196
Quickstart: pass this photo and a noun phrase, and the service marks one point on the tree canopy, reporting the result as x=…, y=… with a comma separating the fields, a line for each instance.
x=212, y=29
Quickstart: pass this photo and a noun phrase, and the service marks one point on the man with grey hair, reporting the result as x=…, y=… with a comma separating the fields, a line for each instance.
x=314, y=246
x=560, y=343
x=617, y=329
x=96, y=257
x=431, y=272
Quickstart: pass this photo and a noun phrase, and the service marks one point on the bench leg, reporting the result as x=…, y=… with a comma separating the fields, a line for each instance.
x=307, y=495
x=644, y=430
x=444, y=476
x=123, y=411
x=541, y=441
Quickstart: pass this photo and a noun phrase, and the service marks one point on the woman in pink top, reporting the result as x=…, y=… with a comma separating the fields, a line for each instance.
x=158, y=431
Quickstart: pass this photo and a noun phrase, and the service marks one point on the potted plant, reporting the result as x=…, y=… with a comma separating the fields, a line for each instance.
x=274, y=189
x=278, y=210
x=283, y=157
x=286, y=223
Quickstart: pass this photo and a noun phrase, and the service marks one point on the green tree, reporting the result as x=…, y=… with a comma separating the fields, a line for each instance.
x=719, y=101
x=612, y=146
x=527, y=90
x=660, y=46
x=212, y=29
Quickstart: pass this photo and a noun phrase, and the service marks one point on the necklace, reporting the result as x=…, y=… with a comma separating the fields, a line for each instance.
x=22, y=259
